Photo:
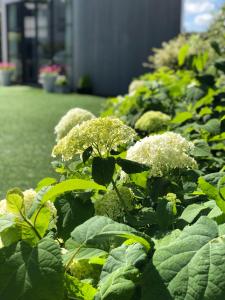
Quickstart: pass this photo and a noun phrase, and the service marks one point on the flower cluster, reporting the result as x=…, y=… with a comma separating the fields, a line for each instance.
x=82, y=269
x=136, y=84
x=29, y=197
x=111, y=206
x=73, y=117
x=50, y=70
x=163, y=153
x=152, y=121
x=102, y=134
x=6, y=66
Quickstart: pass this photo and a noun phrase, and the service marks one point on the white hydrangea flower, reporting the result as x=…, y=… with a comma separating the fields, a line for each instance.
x=102, y=134
x=163, y=153
x=72, y=118
x=29, y=196
x=136, y=84
x=3, y=207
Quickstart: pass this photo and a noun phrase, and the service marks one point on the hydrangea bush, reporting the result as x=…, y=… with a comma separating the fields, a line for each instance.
x=128, y=217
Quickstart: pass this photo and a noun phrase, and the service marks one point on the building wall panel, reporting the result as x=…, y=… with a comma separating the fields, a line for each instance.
x=112, y=38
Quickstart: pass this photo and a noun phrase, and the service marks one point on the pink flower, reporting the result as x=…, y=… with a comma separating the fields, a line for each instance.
x=54, y=69
x=7, y=66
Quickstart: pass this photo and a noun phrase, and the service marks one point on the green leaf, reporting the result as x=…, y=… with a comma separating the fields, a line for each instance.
x=165, y=214
x=191, y=267
x=182, y=55
x=201, y=149
x=192, y=212
x=31, y=273
x=76, y=289
x=6, y=222
x=212, y=126
x=87, y=154
x=103, y=169
x=72, y=210
x=216, y=47
x=118, y=285
x=220, y=65
x=124, y=256
x=131, y=167
x=100, y=232
x=15, y=202
x=83, y=253
x=40, y=221
x=68, y=186
x=182, y=117
x=45, y=182
x=212, y=193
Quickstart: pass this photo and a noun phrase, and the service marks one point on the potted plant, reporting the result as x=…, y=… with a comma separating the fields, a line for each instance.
x=61, y=84
x=6, y=72
x=48, y=75
x=85, y=85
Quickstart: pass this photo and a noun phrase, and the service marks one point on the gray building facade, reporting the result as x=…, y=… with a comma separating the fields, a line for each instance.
x=108, y=40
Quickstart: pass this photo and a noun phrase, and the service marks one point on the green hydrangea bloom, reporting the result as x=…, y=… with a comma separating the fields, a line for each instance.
x=72, y=118
x=152, y=121
x=110, y=205
x=82, y=269
x=102, y=134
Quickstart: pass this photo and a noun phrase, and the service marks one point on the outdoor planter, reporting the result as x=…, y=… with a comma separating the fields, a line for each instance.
x=6, y=73
x=48, y=76
x=62, y=89
x=61, y=85
x=48, y=83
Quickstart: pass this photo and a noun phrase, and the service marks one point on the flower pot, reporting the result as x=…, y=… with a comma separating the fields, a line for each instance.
x=5, y=77
x=48, y=83
x=62, y=89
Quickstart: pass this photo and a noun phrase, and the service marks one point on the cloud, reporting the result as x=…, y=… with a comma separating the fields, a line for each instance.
x=200, y=7
x=203, y=19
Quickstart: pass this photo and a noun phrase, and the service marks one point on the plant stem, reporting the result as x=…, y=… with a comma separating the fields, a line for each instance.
x=31, y=225
x=72, y=258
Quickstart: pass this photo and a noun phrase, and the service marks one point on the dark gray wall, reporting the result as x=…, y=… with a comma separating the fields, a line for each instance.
x=112, y=38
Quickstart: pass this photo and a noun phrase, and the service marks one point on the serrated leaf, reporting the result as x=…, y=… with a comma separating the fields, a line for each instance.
x=31, y=273
x=83, y=253
x=131, y=167
x=68, y=186
x=15, y=202
x=192, y=266
x=76, y=289
x=124, y=256
x=118, y=285
x=72, y=210
x=100, y=232
x=103, y=169
x=192, y=211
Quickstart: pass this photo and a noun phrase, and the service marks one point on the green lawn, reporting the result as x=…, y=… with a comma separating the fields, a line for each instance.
x=27, y=120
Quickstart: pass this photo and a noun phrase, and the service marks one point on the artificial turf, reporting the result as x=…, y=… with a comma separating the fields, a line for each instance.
x=27, y=120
